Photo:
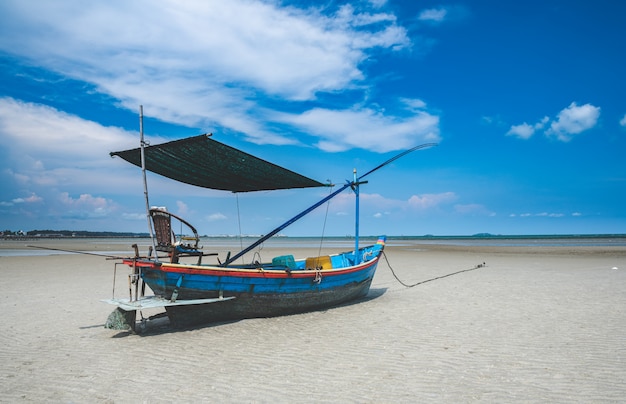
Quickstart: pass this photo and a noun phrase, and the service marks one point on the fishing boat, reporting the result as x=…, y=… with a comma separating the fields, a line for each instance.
x=195, y=292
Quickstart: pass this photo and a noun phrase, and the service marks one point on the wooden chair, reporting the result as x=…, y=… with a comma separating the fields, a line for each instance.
x=166, y=238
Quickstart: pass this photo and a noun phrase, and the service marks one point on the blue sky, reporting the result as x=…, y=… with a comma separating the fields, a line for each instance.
x=526, y=100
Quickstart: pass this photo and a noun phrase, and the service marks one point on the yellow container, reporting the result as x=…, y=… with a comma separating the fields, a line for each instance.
x=322, y=262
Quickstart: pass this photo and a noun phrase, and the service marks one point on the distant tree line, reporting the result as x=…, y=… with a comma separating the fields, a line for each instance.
x=69, y=233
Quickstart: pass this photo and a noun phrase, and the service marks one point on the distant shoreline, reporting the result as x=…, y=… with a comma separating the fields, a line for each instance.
x=121, y=245
x=482, y=236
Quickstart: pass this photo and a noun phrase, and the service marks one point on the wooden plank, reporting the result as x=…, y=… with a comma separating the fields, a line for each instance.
x=151, y=302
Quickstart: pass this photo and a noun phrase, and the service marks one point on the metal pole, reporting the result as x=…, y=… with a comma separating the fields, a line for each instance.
x=356, y=222
x=145, y=181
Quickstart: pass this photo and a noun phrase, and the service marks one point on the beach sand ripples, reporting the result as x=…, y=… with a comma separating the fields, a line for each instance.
x=527, y=327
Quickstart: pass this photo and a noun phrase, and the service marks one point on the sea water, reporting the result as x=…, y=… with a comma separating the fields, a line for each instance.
x=16, y=248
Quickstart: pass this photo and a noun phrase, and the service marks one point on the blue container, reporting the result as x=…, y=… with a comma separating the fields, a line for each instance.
x=284, y=261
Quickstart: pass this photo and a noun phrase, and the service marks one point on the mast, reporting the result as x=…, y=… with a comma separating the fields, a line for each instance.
x=355, y=188
x=145, y=181
x=355, y=184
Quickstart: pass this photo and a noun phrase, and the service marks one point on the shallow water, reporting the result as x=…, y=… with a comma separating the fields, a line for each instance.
x=117, y=246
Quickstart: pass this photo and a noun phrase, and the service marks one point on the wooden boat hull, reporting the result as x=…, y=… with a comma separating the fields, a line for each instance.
x=255, y=292
x=253, y=305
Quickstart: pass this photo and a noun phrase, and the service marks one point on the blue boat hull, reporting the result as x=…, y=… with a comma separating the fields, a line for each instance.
x=252, y=305
x=261, y=291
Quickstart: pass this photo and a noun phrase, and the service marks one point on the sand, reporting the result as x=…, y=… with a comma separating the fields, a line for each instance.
x=533, y=325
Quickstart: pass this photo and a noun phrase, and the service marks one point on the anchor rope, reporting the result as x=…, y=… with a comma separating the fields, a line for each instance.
x=428, y=280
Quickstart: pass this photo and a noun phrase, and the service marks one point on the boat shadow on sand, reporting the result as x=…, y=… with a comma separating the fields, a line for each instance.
x=159, y=324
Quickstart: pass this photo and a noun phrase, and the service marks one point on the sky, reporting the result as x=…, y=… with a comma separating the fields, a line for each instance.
x=526, y=101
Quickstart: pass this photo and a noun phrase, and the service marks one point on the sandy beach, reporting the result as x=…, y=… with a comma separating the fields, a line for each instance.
x=536, y=324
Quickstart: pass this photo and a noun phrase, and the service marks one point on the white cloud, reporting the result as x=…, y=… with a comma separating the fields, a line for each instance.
x=542, y=214
x=622, y=121
x=546, y=214
x=433, y=15
x=182, y=208
x=85, y=206
x=525, y=131
x=569, y=122
x=30, y=199
x=348, y=16
x=378, y=3
x=199, y=63
x=427, y=201
x=223, y=42
x=574, y=120
x=53, y=155
x=134, y=216
x=366, y=128
x=216, y=216
x=380, y=205
x=43, y=137
x=413, y=104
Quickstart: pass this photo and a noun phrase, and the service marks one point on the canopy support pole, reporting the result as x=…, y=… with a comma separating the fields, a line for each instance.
x=356, y=219
x=356, y=188
x=145, y=182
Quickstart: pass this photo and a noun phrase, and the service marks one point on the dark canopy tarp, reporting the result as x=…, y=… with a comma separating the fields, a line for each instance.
x=206, y=163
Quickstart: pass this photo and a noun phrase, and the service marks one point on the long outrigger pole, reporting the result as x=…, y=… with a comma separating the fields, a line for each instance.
x=355, y=186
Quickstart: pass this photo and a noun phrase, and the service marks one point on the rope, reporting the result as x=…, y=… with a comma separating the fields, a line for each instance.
x=432, y=279
x=239, y=223
x=319, y=252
